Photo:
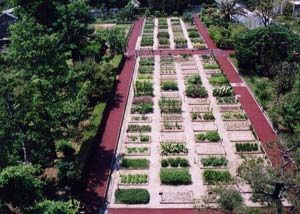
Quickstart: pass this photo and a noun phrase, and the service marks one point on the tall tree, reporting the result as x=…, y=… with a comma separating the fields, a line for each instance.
x=265, y=11
x=20, y=185
x=269, y=185
x=229, y=9
x=36, y=99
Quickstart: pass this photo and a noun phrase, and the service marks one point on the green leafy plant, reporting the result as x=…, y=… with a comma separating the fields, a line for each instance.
x=134, y=179
x=214, y=177
x=223, y=91
x=175, y=162
x=173, y=148
x=214, y=161
x=175, y=176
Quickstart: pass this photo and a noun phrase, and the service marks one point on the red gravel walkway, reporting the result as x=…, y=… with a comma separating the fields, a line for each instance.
x=99, y=167
x=204, y=32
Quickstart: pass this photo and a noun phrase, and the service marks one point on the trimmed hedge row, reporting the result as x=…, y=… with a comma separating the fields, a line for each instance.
x=175, y=177
x=132, y=196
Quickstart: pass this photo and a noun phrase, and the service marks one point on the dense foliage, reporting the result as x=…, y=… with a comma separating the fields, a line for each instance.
x=258, y=49
x=54, y=72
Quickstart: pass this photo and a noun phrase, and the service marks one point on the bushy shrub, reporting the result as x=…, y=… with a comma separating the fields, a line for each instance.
x=132, y=196
x=135, y=163
x=175, y=176
x=143, y=88
x=65, y=147
x=163, y=41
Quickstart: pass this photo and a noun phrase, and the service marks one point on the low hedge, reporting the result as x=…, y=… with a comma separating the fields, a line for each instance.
x=175, y=177
x=175, y=162
x=135, y=163
x=246, y=147
x=132, y=196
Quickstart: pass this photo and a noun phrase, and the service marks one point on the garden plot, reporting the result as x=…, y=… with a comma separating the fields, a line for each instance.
x=138, y=138
x=179, y=38
x=241, y=136
x=218, y=161
x=163, y=36
x=133, y=178
x=210, y=65
x=237, y=125
x=177, y=197
x=148, y=35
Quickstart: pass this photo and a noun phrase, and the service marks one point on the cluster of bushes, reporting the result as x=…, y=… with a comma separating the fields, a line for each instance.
x=194, y=87
x=213, y=177
x=135, y=163
x=212, y=136
x=175, y=176
x=134, y=179
x=175, y=162
x=169, y=85
x=214, y=161
x=223, y=33
x=132, y=196
x=138, y=128
x=246, y=147
x=173, y=148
